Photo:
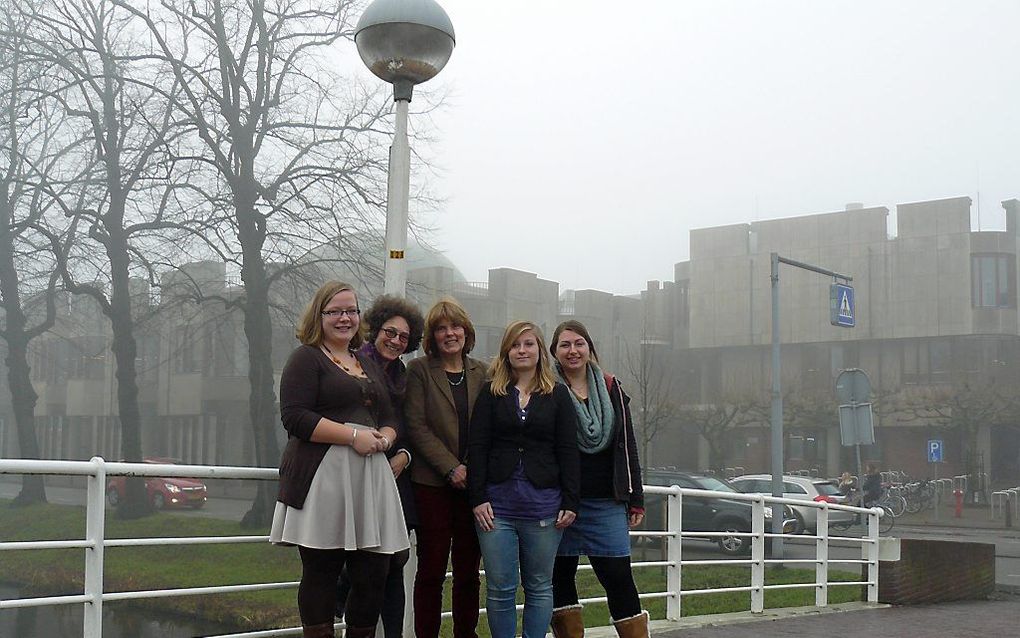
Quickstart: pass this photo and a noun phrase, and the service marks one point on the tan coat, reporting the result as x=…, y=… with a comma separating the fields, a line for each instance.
x=432, y=417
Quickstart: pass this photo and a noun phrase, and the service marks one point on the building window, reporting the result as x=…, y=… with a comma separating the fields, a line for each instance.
x=993, y=282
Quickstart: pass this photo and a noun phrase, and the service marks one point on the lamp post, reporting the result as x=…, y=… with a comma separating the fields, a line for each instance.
x=404, y=42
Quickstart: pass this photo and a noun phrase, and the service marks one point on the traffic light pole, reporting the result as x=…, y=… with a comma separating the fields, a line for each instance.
x=777, y=395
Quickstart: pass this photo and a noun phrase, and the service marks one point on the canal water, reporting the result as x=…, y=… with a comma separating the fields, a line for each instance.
x=119, y=621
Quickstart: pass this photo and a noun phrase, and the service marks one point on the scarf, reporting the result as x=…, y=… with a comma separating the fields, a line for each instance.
x=594, y=418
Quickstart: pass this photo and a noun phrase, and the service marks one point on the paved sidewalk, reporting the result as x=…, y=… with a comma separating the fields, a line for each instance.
x=969, y=619
x=971, y=516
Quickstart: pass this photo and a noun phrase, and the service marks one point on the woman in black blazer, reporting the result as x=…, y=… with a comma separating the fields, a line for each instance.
x=523, y=481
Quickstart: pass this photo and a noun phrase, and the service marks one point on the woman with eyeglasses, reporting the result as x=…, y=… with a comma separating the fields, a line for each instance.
x=523, y=479
x=337, y=500
x=612, y=499
x=441, y=391
x=395, y=328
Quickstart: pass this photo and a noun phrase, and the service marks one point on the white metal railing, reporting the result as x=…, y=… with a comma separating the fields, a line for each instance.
x=98, y=471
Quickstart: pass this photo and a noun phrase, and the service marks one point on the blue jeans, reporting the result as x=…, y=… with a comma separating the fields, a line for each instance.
x=522, y=547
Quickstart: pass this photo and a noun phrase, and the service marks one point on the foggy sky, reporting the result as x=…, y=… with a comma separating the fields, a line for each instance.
x=582, y=140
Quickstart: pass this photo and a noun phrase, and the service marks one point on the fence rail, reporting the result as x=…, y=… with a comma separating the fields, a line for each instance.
x=97, y=471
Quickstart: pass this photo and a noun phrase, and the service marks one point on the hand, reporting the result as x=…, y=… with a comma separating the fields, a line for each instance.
x=565, y=519
x=634, y=518
x=459, y=477
x=397, y=463
x=485, y=517
x=367, y=442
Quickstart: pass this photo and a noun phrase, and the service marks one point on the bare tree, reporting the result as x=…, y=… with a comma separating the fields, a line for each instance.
x=716, y=422
x=26, y=147
x=962, y=409
x=295, y=160
x=126, y=120
x=652, y=402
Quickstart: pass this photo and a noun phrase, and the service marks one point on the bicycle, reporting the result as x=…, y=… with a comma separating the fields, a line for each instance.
x=885, y=521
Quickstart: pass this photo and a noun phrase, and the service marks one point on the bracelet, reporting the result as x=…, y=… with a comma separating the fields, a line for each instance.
x=354, y=435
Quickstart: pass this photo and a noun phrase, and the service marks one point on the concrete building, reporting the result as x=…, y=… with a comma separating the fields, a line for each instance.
x=937, y=331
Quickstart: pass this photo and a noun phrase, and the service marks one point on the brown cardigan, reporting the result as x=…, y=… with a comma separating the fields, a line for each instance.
x=312, y=387
x=431, y=417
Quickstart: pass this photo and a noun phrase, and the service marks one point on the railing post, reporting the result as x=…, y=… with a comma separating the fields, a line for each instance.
x=95, y=529
x=872, y=554
x=674, y=544
x=822, y=556
x=758, y=555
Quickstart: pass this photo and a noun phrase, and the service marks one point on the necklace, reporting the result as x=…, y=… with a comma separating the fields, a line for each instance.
x=340, y=363
x=463, y=374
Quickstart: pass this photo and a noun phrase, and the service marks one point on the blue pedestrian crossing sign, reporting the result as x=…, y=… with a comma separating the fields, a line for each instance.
x=841, y=306
x=934, y=450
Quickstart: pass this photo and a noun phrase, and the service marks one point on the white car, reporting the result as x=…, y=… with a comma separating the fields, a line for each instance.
x=805, y=488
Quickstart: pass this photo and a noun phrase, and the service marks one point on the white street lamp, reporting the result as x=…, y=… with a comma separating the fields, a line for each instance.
x=404, y=42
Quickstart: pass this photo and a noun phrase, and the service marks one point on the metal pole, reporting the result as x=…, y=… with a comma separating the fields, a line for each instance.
x=397, y=193
x=777, y=418
x=674, y=553
x=95, y=534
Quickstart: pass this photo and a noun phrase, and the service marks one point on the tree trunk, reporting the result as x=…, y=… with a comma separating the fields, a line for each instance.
x=258, y=330
x=125, y=349
x=19, y=380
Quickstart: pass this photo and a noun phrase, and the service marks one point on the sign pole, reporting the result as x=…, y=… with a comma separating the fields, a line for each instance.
x=777, y=394
x=777, y=417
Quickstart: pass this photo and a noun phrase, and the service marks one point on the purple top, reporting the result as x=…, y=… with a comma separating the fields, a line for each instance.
x=517, y=497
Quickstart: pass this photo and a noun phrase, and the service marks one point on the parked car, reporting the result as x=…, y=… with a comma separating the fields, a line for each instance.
x=802, y=488
x=162, y=492
x=709, y=514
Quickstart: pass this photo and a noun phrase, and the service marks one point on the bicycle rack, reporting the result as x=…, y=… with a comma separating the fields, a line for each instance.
x=944, y=487
x=1002, y=497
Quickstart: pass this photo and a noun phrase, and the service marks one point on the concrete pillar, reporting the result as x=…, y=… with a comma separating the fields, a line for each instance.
x=703, y=454
x=833, y=449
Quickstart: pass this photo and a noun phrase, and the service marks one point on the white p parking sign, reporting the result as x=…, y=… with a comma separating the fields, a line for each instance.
x=934, y=450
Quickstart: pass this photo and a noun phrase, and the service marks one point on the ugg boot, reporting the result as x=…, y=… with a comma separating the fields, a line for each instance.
x=568, y=622
x=322, y=630
x=633, y=627
x=360, y=632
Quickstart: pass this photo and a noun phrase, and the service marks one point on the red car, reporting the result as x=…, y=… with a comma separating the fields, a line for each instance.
x=162, y=492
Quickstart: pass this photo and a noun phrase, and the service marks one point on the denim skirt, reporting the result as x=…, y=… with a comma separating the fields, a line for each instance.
x=600, y=529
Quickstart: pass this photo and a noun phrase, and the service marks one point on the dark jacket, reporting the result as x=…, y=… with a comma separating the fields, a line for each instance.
x=395, y=373
x=872, y=488
x=546, y=442
x=626, y=466
x=306, y=396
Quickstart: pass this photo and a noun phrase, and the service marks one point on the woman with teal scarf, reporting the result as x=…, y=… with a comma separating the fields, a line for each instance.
x=612, y=500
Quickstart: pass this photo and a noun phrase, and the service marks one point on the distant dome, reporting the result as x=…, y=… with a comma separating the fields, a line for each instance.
x=370, y=248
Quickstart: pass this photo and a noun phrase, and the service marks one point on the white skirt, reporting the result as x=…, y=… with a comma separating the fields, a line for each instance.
x=352, y=504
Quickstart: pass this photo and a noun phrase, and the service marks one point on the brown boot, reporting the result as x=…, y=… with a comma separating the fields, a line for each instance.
x=323, y=630
x=633, y=627
x=568, y=622
x=360, y=632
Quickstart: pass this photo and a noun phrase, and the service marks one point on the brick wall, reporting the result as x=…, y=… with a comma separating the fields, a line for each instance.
x=937, y=571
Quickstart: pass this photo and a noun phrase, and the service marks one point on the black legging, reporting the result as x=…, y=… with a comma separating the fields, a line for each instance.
x=392, y=612
x=614, y=574
x=320, y=569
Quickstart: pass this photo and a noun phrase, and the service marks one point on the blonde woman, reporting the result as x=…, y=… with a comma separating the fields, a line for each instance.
x=523, y=481
x=338, y=501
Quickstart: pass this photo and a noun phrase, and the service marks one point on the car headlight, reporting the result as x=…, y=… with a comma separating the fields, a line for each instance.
x=170, y=487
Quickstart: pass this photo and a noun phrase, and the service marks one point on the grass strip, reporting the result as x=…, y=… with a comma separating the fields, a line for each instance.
x=60, y=572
